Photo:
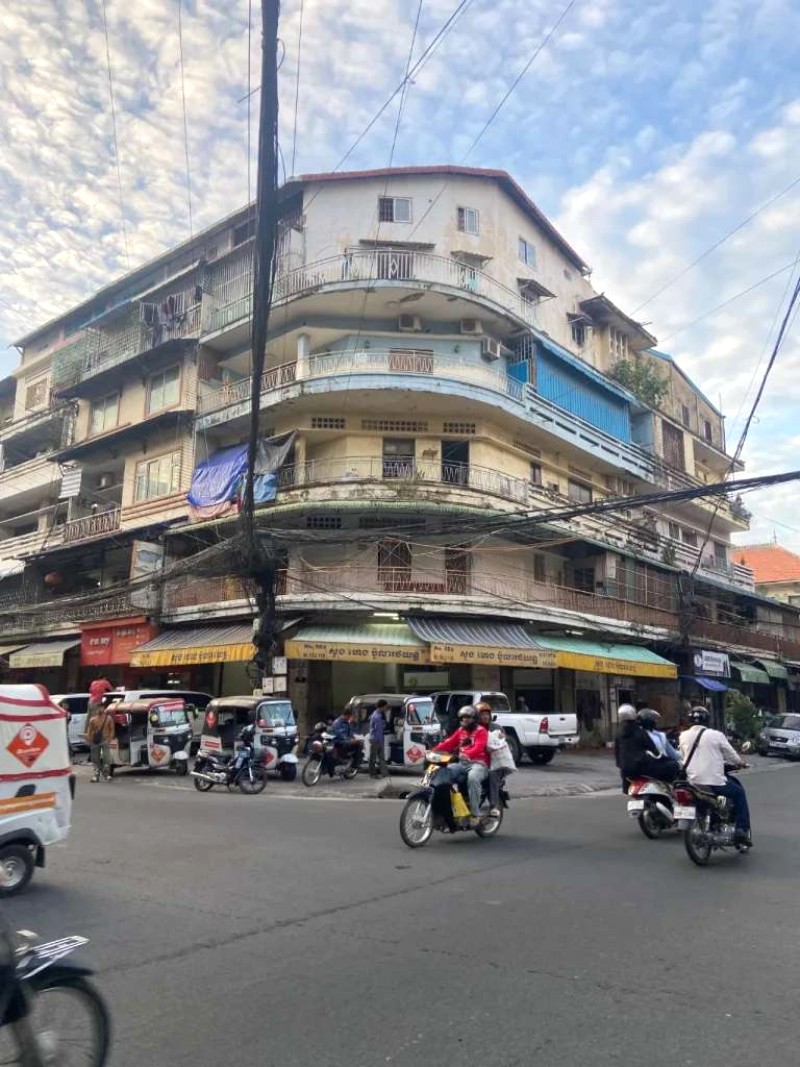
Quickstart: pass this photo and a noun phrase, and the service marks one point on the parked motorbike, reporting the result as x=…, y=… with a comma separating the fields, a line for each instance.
x=241, y=770
x=651, y=803
x=706, y=821
x=444, y=808
x=49, y=1012
x=324, y=758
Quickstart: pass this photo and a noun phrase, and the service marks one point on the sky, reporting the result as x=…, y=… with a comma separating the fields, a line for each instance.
x=646, y=130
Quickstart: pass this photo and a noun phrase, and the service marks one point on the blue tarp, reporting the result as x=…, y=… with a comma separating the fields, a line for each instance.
x=217, y=479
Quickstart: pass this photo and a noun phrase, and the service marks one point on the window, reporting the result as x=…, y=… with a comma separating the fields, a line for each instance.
x=536, y=474
x=618, y=343
x=36, y=395
x=720, y=552
x=707, y=432
x=398, y=457
x=456, y=570
x=468, y=220
x=579, y=493
x=690, y=538
x=583, y=579
x=673, y=446
x=164, y=390
x=538, y=568
x=158, y=477
x=578, y=329
x=105, y=413
x=685, y=414
x=527, y=253
x=394, y=209
x=394, y=561
x=244, y=232
x=674, y=531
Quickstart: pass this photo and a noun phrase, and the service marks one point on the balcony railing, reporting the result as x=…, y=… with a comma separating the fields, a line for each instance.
x=232, y=284
x=92, y=526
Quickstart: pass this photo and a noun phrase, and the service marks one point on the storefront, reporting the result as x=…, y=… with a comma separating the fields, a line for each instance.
x=210, y=659
x=107, y=647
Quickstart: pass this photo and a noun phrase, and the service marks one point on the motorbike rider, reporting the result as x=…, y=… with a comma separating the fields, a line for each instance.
x=706, y=768
x=637, y=754
x=470, y=741
x=650, y=718
x=346, y=745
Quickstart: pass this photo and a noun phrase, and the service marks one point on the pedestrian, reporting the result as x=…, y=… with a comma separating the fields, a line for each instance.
x=97, y=690
x=377, y=733
x=99, y=733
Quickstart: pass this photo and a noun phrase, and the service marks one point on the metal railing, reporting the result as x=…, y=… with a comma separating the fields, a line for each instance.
x=92, y=525
x=232, y=283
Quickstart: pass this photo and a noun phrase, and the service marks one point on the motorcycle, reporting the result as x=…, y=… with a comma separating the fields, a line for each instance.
x=651, y=803
x=444, y=809
x=241, y=770
x=324, y=758
x=706, y=821
x=49, y=1012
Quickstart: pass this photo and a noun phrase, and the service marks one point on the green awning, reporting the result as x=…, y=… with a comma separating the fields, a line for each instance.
x=603, y=658
x=748, y=673
x=776, y=671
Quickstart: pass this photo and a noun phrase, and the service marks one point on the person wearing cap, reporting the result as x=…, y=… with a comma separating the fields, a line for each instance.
x=470, y=741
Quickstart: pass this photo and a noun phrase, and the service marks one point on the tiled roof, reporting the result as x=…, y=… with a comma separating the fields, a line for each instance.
x=769, y=563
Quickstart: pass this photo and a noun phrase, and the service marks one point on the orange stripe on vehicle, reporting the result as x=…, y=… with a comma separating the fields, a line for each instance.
x=16, y=805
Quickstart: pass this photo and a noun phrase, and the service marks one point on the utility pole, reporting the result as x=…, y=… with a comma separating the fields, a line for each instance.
x=260, y=563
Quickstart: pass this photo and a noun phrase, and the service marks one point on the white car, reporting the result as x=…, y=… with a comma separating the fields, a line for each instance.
x=75, y=704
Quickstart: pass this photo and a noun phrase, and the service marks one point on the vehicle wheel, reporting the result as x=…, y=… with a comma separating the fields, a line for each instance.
x=17, y=862
x=540, y=757
x=182, y=768
x=254, y=785
x=288, y=772
x=650, y=824
x=350, y=773
x=697, y=844
x=70, y=1020
x=416, y=822
x=515, y=747
x=489, y=826
x=312, y=772
x=202, y=786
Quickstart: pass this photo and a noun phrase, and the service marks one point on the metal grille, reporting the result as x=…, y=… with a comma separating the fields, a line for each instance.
x=394, y=425
x=327, y=422
x=460, y=428
x=323, y=522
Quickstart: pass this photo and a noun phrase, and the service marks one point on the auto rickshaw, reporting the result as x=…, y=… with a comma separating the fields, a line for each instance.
x=154, y=732
x=36, y=782
x=275, y=740
x=411, y=726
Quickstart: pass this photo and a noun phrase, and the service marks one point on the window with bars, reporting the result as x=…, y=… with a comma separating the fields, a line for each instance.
x=578, y=331
x=618, y=343
x=395, y=425
x=164, y=389
x=468, y=220
x=394, y=560
x=105, y=413
x=398, y=457
x=583, y=579
x=457, y=563
x=158, y=477
x=394, y=209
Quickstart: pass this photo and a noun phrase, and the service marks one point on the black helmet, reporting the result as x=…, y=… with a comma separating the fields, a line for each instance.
x=649, y=718
x=319, y=728
x=699, y=715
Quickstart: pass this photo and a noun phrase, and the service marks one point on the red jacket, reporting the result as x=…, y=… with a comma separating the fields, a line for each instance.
x=476, y=750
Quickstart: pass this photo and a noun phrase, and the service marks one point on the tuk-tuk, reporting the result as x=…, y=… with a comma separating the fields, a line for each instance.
x=155, y=732
x=275, y=739
x=36, y=782
x=411, y=726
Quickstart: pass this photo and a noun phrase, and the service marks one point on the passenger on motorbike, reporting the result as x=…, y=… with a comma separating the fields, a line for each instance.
x=626, y=713
x=501, y=762
x=650, y=718
x=346, y=744
x=706, y=768
x=638, y=756
x=469, y=741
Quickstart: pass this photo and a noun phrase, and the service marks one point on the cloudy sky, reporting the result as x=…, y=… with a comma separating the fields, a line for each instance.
x=646, y=130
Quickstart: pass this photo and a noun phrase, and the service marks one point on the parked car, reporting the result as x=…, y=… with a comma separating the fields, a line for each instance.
x=539, y=735
x=196, y=704
x=781, y=737
x=75, y=704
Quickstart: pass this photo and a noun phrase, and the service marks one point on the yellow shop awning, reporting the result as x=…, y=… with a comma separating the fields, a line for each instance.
x=369, y=643
x=205, y=644
x=602, y=658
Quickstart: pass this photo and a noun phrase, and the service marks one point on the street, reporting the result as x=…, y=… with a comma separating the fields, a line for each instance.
x=298, y=929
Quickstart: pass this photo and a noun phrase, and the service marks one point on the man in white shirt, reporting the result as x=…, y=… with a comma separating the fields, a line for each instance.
x=707, y=768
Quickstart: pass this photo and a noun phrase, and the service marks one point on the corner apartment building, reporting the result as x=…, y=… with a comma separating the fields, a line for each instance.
x=439, y=356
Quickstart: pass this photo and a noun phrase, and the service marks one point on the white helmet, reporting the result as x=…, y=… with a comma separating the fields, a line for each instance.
x=626, y=713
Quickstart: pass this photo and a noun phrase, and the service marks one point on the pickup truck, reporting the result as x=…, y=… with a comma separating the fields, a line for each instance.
x=539, y=735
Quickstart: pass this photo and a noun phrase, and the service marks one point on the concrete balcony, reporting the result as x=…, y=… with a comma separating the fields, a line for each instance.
x=31, y=544
x=232, y=282
x=96, y=525
x=28, y=481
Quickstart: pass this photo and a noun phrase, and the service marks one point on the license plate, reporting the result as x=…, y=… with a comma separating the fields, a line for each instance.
x=635, y=806
x=682, y=812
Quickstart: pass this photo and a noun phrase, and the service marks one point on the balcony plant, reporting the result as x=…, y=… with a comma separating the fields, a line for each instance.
x=642, y=379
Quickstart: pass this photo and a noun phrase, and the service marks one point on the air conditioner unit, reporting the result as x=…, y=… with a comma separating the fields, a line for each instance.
x=472, y=326
x=105, y=481
x=409, y=323
x=491, y=348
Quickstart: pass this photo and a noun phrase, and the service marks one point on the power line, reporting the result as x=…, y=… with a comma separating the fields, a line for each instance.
x=715, y=246
x=116, y=140
x=296, y=87
x=185, y=126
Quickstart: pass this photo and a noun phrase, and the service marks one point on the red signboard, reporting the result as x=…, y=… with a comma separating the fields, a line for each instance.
x=113, y=642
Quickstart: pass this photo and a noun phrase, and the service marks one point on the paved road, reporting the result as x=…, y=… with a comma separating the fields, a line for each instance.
x=299, y=931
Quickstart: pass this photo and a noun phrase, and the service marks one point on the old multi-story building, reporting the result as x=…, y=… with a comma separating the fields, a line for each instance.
x=438, y=359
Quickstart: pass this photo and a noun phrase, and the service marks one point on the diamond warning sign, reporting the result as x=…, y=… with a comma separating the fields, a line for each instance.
x=27, y=744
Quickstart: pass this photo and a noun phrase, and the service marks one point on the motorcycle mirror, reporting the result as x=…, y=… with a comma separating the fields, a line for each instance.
x=747, y=746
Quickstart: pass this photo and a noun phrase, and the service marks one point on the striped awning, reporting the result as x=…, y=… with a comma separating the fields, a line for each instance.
x=502, y=644
x=750, y=674
x=205, y=644
x=42, y=654
x=367, y=643
x=776, y=671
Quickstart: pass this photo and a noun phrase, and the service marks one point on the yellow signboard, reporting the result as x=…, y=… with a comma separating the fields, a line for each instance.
x=347, y=652
x=495, y=657
x=188, y=657
x=580, y=661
